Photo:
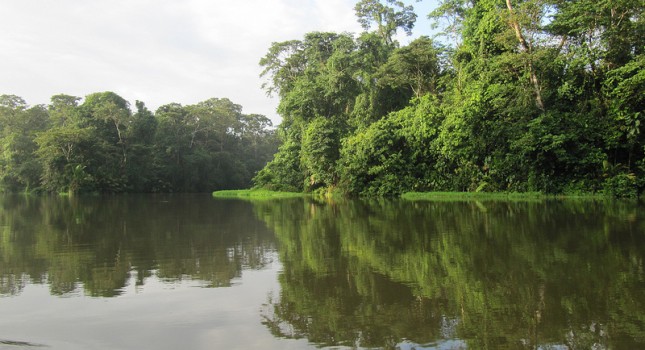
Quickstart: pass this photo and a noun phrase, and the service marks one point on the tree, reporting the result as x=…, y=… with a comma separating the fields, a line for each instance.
x=416, y=67
x=60, y=150
x=215, y=125
x=172, y=140
x=63, y=110
x=318, y=81
x=112, y=109
x=141, y=135
x=284, y=172
x=258, y=139
x=19, y=124
x=386, y=18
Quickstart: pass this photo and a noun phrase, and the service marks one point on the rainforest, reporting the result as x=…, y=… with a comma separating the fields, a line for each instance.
x=511, y=96
x=102, y=146
x=543, y=96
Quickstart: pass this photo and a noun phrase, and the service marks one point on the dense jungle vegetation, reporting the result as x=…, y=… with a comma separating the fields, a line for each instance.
x=100, y=145
x=517, y=95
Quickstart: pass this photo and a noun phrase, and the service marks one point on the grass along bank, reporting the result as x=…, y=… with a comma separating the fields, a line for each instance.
x=256, y=194
x=434, y=196
x=492, y=196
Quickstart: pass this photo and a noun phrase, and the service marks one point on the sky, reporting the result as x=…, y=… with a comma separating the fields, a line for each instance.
x=159, y=51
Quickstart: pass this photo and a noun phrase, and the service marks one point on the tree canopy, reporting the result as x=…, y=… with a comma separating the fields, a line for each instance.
x=99, y=144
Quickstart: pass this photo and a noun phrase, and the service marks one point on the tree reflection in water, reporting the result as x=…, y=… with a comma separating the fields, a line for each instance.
x=98, y=243
x=463, y=274
x=359, y=274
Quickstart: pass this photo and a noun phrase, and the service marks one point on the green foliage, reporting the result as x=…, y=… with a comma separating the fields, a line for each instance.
x=101, y=146
x=387, y=19
x=283, y=173
x=60, y=150
x=19, y=125
x=376, y=162
x=320, y=152
x=533, y=96
x=621, y=185
x=415, y=67
x=394, y=154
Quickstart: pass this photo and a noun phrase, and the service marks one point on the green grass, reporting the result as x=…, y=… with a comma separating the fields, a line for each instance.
x=256, y=194
x=470, y=195
x=434, y=196
x=492, y=196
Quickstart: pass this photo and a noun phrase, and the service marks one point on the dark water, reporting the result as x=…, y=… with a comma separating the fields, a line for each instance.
x=193, y=272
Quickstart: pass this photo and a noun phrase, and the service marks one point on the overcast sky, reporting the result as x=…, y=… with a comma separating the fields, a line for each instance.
x=158, y=51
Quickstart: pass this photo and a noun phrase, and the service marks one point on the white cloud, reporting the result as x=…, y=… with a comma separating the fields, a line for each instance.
x=156, y=51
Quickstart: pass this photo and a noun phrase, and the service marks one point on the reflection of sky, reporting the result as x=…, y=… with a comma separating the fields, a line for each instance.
x=453, y=344
x=157, y=315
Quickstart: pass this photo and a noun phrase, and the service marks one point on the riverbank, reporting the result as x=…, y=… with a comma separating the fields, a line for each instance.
x=500, y=196
x=471, y=195
x=413, y=196
x=256, y=194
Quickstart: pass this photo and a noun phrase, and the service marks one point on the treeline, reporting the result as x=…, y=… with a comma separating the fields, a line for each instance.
x=101, y=145
x=522, y=95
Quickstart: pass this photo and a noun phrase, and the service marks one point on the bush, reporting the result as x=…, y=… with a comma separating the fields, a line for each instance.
x=622, y=185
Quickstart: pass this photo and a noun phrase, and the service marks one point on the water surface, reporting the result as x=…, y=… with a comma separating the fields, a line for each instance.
x=193, y=272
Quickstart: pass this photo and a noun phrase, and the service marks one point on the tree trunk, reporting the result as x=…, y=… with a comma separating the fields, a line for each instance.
x=527, y=47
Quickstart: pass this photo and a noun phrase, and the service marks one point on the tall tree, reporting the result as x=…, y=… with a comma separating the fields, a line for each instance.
x=387, y=18
x=416, y=67
x=108, y=116
x=141, y=137
x=111, y=109
x=317, y=78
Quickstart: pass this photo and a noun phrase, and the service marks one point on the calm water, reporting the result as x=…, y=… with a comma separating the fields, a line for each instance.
x=193, y=272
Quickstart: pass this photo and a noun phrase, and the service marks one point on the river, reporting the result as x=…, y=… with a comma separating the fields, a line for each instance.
x=194, y=272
